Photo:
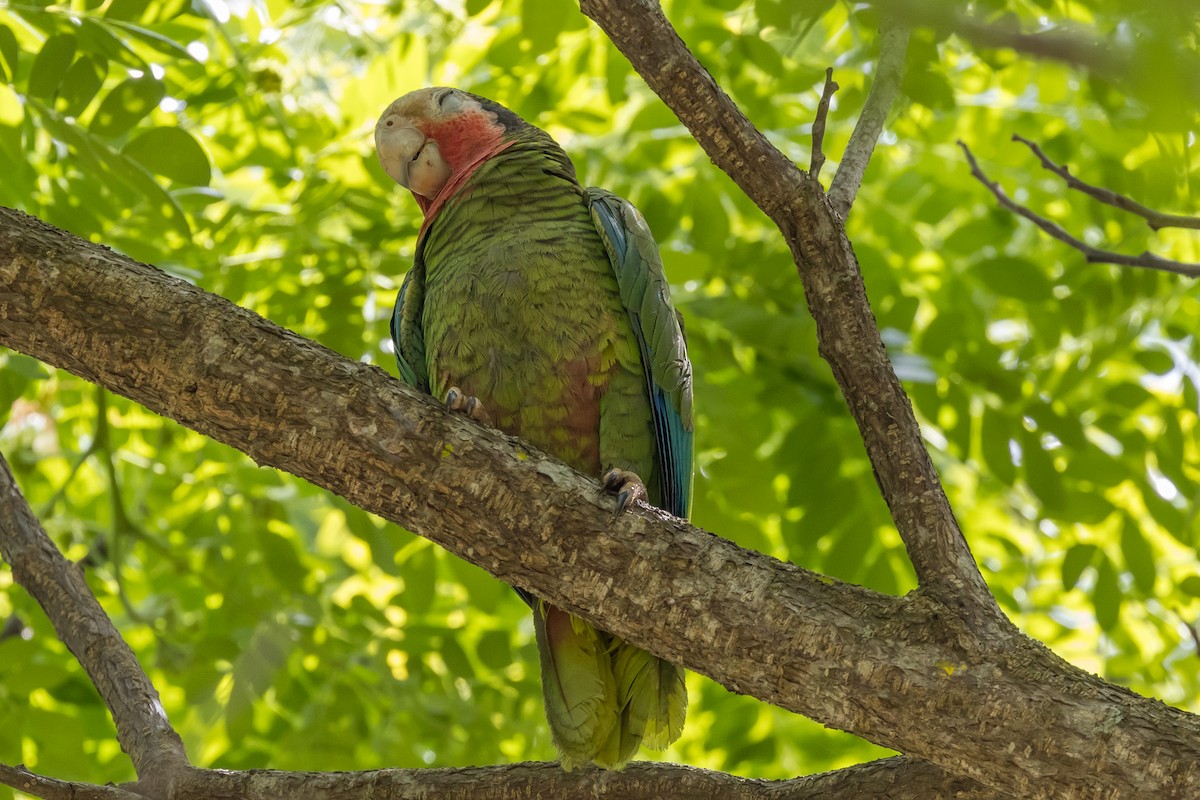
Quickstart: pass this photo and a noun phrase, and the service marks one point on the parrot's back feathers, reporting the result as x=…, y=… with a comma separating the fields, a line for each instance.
x=659, y=332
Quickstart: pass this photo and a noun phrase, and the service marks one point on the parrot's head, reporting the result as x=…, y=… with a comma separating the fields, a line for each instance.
x=431, y=140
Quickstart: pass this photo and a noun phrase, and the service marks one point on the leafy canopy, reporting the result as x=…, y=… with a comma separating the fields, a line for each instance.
x=229, y=143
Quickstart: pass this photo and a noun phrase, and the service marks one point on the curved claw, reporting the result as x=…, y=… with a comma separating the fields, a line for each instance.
x=627, y=486
x=472, y=406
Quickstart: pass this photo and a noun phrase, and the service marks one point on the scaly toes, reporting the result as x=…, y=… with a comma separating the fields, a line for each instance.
x=627, y=486
x=457, y=400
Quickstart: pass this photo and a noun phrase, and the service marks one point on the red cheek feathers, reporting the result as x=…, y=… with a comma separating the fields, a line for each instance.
x=465, y=141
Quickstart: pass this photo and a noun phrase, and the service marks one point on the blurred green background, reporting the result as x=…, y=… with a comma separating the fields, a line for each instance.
x=229, y=142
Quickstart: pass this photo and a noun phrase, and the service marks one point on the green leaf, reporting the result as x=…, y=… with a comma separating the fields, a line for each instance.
x=9, y=52
x=254, y=672
x=1139, y=557
x=1106, y=595
x=1040, y=474
x=125, y=105
x=81, y=83
x=420, y=575
x=994, y=433
x=1158, y=362
x=51, y=65
x=1077, y=559
x=1190, y=585
x=929, y=88
x=97, y=39
x=163, y=44
x=172, y=153
x=279, y=554
x=126, y=9
x=495, y=649
x=1018, y=278
x=109, y=165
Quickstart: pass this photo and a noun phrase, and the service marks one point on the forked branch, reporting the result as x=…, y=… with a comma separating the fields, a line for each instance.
x=1157, y=220
x=1092, y=254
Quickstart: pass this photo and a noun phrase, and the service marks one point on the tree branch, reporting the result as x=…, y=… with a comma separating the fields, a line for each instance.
x=818, y=130
x=59, y=587
x=889, y=69
x=894, y=778
x=1092, y=254
x=847, y=336
x=1155, y=219
x=1008, y=712
x=25, y=781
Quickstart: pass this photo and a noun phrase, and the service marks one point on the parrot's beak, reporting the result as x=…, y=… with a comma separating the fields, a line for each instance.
x=409, y=157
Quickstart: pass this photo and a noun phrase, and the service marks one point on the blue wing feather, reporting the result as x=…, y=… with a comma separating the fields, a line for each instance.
x=659, y=330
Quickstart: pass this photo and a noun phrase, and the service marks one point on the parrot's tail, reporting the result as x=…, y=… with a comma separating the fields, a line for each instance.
x=604, y=697
x=577, y=682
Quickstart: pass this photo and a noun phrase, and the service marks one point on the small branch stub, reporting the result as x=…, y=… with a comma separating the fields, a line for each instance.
x=818, y=130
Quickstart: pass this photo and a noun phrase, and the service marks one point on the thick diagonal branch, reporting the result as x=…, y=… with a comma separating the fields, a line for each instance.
x=59, y=587
x=908, y=673
x=847, y=335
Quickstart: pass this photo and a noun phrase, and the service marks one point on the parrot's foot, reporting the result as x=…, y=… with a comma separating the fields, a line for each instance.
x=470, y=405
x=627, y=486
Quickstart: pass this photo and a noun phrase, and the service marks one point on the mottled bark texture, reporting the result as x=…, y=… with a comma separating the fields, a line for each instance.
x=890, y=779
x=80, y=622
x=909, y=673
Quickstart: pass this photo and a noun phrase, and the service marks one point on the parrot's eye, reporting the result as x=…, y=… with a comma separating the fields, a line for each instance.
x=442, y=97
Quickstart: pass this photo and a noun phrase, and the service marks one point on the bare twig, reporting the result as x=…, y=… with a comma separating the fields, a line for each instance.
x=884, y=88
x=1155, y=219
x=59, y=587
x=818, y=130
x=1092, y=254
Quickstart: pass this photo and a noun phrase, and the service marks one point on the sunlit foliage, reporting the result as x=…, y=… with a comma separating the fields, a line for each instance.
x=229, y=143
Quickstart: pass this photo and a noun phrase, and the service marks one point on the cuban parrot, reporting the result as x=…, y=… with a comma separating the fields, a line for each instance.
x=540, y=307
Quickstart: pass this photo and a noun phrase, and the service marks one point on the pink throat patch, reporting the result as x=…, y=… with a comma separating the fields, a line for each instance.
x=466, y=142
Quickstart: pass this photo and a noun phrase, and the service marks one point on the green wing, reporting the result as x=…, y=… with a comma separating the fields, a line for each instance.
x=408, y=336
x=659, y=330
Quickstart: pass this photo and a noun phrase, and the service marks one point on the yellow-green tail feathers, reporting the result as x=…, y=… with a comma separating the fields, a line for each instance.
x=652, y=693
x=604, y=697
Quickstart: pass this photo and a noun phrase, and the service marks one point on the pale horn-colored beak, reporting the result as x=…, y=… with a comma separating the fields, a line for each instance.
x=412, y=160
x=396, y=145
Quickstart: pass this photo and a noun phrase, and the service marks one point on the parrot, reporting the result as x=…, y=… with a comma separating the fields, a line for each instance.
x=541, y=308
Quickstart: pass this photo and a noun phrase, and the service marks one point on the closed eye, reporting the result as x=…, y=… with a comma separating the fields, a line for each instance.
x=442, y=97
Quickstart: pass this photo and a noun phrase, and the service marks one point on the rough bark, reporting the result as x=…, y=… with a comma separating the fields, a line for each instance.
x=893, y=778
x=909, y=673
x=58, y=585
